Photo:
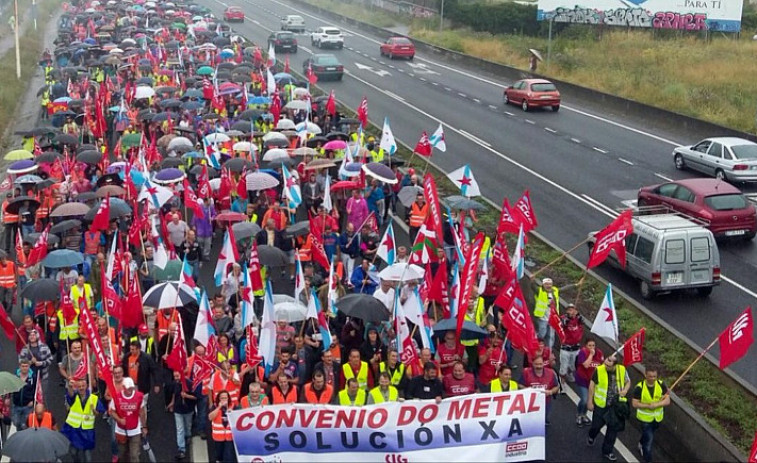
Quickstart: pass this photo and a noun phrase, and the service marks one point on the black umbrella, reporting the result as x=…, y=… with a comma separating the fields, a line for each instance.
x=273, y=165
x=170, y=103
x=48, y=157
x=276, y=143
x=44, y=184
x=144, y=81
x=109, y=179
x=250, y=114
x=171, y=162
x=16, y=203
x=362, y=306
x=298, y=229
x=86, y=196
x=31, y=238
x=337, y=136
x=272, y=257
x=469, y=332
x=45, y=289
x=66, y=139
x=236, y=164
x=118, y=208
x=197, y=170
x=244, y=230
x=161, y=117
x=86, y=147
x=242, y=126
x=65, y=226
x=313, y=142
x=91, y=157
x=36, y=444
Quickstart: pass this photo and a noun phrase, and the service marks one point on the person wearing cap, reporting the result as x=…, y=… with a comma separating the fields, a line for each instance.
x=130, y=414
x=79, y=426
x=573, y=326
x=377, y=153
x=146, y=342
x=547, y=297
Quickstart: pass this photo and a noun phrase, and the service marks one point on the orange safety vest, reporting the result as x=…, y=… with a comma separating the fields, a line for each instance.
x=305, y=251
x=8, y=275
x=218, y=384
x=163, y=322
x=279, y=398
x=91, y=242
x=325, y=398
x=418, y=215
x=219, y=432
x=47, y=421
x=8, y=218
x=45, y=207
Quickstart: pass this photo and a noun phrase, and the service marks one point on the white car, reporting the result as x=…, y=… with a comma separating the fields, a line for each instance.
x=293, y=22
x=726, y=158
x=327, y=36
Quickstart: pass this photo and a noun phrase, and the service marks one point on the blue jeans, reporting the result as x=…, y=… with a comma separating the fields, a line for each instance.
x=26, y=229
x=545, y=332
x=183, y=429
x=19, y=415
x=583, y=396
x=113, y=442
x=201, y=417
x=647, y=437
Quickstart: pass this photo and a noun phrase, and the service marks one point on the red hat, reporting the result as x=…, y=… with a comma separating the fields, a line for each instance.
x=411, y=171
x=143, y=328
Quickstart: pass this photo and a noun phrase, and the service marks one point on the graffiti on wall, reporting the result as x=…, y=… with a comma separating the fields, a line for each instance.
x=632, y=17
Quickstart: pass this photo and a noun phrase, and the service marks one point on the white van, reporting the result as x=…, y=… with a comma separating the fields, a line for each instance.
x=670, y=252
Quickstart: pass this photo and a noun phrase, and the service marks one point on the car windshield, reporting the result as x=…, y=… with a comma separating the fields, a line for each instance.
x=745, y=151
x=543, y=87
x=234, y=9
x=402, y=41
x=327, y=60
x=332, y=31
x=726, y=202
x=285, y=35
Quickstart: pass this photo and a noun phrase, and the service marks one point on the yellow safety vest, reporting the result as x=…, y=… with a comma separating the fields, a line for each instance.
x=398, y=374
x=648, y=415
x=344, y=399
x=362, y=375
x=149, y=346
x=378, y=397
x=70, y=332
x=82, y=417
x=479, y=320
x=496, y=385
x=486, y=248
x=77, y=293
x=600, y=389
x=542, y=302
x=377, y=156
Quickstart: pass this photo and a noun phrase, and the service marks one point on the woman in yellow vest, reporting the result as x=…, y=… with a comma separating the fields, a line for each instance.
x=650, y=397
x=384, y=392
x=610, y=384
x=352, y=395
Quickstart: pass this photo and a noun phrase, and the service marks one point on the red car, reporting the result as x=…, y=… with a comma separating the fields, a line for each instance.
x=400, y=47
x=533, y=93
x=727, y=212
x=233, y=13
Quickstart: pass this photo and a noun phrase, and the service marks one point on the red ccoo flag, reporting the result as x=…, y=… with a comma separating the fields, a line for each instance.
x=633, y=349
x=612, y=237
x=508, y=223
x=423, y=147
x=556, y=323
x=331, y=104
x=312, y=77
x=362, y=112
x=524, y=209
x=736, y=339
x=102, y=217
x=39, y=395
x=191, y=200
x=753, y=453
x=7, y=324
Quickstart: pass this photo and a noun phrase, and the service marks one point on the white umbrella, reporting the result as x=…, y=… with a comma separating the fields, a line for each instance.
x=179, y=142
x=285, y=124
x=244, y=146
x=115, y=51
x=217, y=137
x=208, y=45
x=305, y=151
x=258, y=181
x=289, y=311
x=274, y=136
x=300, y=92
x=168, y=295
x=275, y=154
x=215, y=183
x=311, y=127
x=297, y=105
x=402, y=272
x=143, y=92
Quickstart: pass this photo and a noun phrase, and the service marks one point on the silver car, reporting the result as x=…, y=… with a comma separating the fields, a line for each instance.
x=726, y=158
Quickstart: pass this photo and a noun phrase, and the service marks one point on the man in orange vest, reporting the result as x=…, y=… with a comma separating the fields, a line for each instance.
x=10, y=223
x=225, y=379
x=417, y=215
x=8, y=281
x=317, y=391
x=283, y=392
x=41, y=418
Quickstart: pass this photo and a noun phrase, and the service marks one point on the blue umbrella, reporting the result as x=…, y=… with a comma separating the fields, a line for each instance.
x=28, y=179
x=193, y=93
x=226, y=53
x=282, y=75
x=192, y=155
x=260, y=100
x=192, y=105
x=469, y=332
x=22, y=167
x=63, y=258
x=169, y=175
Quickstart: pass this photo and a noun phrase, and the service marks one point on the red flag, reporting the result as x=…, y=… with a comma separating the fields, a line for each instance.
x=224, y=189
x=468, y=279
x=501, y=266
x=39, y=251
x=66, y=305
x=736, y=339
x=207, y=89
x=312, y=77
x=318, y=253
x=434, y=210
x=286, y=64
x=133, y=314
x=633, y=349
x=177, y=359
x=423, y=147
x=507, y=222
x=437, y=283
x=612, y=237
x=251, y=354
x=192, y=201
x=103, y=360
x=111, y=302
x=331, y=104
x=203, y=183
x=82, y=370
x=517, y=320
x=102, y=217
x=39, y=395
x=20, y=256
x=753, y=453
x=256, y=280
x=202, y=369
x=525, y=209
x=556, y=323
x=7, y=324
x=362, y=112
x=275, y=108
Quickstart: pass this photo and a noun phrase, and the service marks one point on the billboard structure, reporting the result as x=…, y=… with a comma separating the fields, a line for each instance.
x=689, y=15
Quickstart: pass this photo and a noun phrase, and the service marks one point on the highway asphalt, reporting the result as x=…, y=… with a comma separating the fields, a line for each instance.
x=580, y=165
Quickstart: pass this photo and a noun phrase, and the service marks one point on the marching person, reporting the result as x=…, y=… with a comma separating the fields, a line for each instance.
x=589, y=358
x=221, y=427
x=317, y=391
x=182, y=405
x=573, y=326
x=255, y=396
x=130, y=413
x=609, y=385
x=79, y=427
x=503, y=382
x=650, y=397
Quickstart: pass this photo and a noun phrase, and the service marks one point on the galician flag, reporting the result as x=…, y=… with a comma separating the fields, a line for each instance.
x=204, y=328
x=227, y=256
x=606, y=322
x=386, y=249
x=248, y=313
x=327, y=204
x=387, y=142
x=185, y=277
x=437, y=139
x=267, y=344
x=519, y=256
x=291, y=187
x=332, y=294
x=463, y=178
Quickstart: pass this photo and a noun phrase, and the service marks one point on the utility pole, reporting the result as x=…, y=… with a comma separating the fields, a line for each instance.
x=441, y=17
x=34, y=13
x=15, y=33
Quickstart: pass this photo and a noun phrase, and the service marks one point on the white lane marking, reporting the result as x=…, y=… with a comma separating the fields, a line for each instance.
x=509, y=113
x=256, y=21
x=391, y=66
x=575, y=140
x=462, y=94
x=477, y=100
x=395, y=96
x=529, y=121
x=598, y=204
x=550, y=130
x=474, y=138
x=625, y=161
x=435, y=83
x=199, y=449
x=422, y=79
x=447, y=89
x=599, y=150
x=659, y=175
x=491, y=106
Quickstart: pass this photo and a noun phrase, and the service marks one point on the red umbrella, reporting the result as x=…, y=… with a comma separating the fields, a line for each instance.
x=345, y=185
x=229, y=216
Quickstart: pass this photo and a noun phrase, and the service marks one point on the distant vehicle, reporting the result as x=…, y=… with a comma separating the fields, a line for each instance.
x=533, y=93
x=400, y=47
x=668, y=252
x=327, y=36
x=282, y=41
x=325, y=66
x=727, y=212
x=233, y=13
x=726, y=158
x=293, y=22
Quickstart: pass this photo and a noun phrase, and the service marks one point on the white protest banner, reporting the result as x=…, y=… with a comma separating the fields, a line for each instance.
x=500, y=427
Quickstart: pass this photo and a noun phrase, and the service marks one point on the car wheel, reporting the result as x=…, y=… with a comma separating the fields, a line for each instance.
x=704, y=292
x=720, y=175
x=341, y=45
x=749, y=236
x=556, y=108
x=506, y=99
x=646, y=290
x=339, y=77
x=294, y=50
x=679, y=162
x=411, y=57
x=524, y=105
x=391, y=56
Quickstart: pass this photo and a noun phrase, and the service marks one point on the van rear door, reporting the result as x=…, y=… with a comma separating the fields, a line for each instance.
x=674, y=271
x=702, y=257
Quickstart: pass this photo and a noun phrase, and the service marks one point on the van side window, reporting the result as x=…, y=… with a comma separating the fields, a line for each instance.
x=644, y=249
x=700, y=249
x=675, y=252
x=631, y=242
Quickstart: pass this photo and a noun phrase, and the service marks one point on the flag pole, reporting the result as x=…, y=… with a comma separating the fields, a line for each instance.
x=691, y=365
x=559, y=258
x=580, y=285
